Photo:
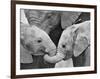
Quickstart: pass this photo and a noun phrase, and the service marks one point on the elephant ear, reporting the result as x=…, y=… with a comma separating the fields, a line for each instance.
x=25, y=56
x=81, y=44
x=23, y=28
x=82, y=40
x=68, y=18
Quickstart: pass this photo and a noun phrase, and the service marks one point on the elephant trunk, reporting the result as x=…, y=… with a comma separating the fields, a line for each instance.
x=54, y=59
x=50, y=47
x=51, y=52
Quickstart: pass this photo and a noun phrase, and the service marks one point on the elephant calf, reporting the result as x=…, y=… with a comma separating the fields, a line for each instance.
x=36, y=41
x=74, y=41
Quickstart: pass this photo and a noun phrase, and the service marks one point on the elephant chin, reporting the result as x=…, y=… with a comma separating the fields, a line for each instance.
x=54, y=59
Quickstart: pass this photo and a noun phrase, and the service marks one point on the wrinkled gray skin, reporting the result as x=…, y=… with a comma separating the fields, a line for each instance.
x=36, y=40
x=48, y=20
x=45, y=19
x=68, y=18
x=74, y=40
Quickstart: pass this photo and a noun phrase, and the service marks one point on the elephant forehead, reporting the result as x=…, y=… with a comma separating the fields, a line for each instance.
x=39, y=31
x=35, y=32
x=66, y=35
x=68, y=41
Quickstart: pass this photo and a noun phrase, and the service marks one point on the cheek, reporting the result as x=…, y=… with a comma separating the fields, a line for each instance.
x=37, y=46
x=68, y=54
x=38, y=49
x=66, y=51
x=28, y=43
x=69, y=47
x=33, y=47
x=69, y=51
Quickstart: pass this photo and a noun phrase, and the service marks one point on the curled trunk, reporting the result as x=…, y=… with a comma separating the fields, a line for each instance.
x=54, y=59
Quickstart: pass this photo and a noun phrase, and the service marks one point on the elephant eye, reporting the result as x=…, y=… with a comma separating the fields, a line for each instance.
x=63, y=46
x=39, y=40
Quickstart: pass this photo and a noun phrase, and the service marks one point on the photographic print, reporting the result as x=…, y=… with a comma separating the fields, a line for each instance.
x=51, y=39
x=49, y=32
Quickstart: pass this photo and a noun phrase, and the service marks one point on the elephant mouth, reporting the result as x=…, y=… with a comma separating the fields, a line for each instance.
x=40, y=51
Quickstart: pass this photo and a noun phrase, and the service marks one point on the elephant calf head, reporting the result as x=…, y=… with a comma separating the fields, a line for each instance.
x=73, y=41
x=36, y=40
